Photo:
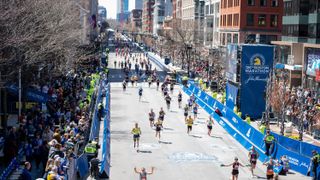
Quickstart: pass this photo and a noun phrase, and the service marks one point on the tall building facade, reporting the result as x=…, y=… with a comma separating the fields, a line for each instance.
x=102, y=12
x=158, y=15
x=299, y=48
x=147, y=16
x=138, y=4
x=136, y=20
x=122, y=10
x=168, y=8
x=212, y=17
x=193, y=12
x=249, y=21
x=176, y=9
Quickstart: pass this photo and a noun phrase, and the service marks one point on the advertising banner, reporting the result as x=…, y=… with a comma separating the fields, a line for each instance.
x=313, y=61
x=231, y=69
x=31, y=94
x=256, y=63
x=232, y=92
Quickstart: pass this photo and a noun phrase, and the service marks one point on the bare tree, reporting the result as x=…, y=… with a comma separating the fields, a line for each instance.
x=39, y=33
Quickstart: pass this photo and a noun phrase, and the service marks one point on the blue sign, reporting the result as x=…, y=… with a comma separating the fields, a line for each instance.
x=31, y=94
x=231, y=93
x=231, y=67
x=256, y=63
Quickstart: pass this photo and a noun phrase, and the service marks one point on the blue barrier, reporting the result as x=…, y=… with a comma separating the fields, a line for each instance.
x=95, y=124
x=156, y=61
x=105, y=163
x=82, y=165
x=248, y=136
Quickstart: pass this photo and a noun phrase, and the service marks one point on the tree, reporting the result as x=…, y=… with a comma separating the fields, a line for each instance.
x=39, y=34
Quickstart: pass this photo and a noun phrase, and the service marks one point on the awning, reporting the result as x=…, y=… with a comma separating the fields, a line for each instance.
x=288, y=67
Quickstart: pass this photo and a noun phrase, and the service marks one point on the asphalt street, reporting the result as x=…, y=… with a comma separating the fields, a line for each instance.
x=178, y=156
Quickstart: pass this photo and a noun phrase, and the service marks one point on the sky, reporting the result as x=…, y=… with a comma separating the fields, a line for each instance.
x=111, y=6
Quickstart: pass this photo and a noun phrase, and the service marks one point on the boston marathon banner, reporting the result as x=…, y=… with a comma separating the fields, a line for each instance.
x=256, y=63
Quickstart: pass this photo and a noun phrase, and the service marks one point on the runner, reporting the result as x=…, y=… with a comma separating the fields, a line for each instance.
x=179, y=99
x=115, y=64
x=149, y=81
x=159, y=127
x=158, y=83
x=235, y=168
x=270, y=164
x=151, y=118
x=132, y=80
x=136, y=135
x=190, y=103
x=186, y=109
x=210, y=122
x=168, y=100
x=189, y=123
x=143, y=173
x=195, y=111
x=161, y=114
x=253, y=156
x=171, y=87
x=124, y=85
x=140, y=93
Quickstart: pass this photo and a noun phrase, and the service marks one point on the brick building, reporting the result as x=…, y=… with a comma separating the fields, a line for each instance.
x=248, y=21
x=147, y=16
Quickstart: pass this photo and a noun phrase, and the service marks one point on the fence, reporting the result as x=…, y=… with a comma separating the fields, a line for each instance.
x=248, y=136
x=105, y=164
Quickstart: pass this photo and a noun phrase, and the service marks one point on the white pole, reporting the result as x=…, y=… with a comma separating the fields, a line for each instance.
x=19, y=92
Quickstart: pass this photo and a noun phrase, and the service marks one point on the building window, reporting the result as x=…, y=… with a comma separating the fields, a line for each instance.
x=236, y=20
x=228, y=38
x=235, y=38
x=211, y=8
x=274, y=3
x=263, y=2
x=262, y=20
x=229, y=20
x=236, y=2
x=274, y=20
x=207, y=9
x=251, y=2
x=250, y=19
x=230, y=3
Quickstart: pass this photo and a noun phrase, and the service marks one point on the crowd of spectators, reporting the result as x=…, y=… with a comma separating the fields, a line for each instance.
x=303, y=104
x=51, y=135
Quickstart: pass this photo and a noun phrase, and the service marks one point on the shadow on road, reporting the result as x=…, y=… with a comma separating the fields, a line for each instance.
x=144, y=151
x=169, y=129
x=165, y=142
x=195, y=136
x=145, y=101
x=219, y=137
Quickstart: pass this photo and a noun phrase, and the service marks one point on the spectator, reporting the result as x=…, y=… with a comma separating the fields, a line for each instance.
x=26, y=175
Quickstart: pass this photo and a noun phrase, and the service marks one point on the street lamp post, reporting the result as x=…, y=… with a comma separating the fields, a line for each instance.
x=284, y=77
x=188, y=53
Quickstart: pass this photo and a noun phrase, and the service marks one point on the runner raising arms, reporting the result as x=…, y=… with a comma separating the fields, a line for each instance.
x=136, y=135
x=179, y=99
x=235, y=168
x=152, y=115
x=253, y=156
x=159, y=127
x=210, y=122
x=143, y=173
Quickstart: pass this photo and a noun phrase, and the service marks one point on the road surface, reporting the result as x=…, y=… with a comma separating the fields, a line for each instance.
x=178, y=156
